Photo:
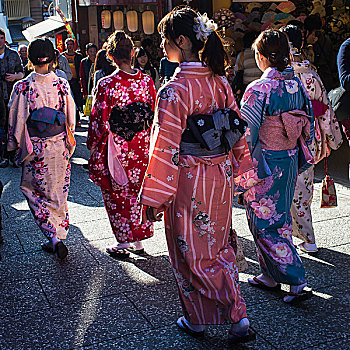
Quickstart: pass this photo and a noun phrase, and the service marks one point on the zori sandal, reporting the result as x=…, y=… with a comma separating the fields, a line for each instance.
x=235, y=338
x=118, y=253
x=183, y=326
x=261, y=285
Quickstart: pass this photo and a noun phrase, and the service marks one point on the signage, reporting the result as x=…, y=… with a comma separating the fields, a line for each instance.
x=59, y=43
x=66, y=24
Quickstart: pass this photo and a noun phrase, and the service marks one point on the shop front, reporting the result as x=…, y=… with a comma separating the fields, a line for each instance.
x=97, y=19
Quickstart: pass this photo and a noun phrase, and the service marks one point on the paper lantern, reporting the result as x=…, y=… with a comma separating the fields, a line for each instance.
x=148, y=22
x=132, y=20
x=106, y=19
x=118, y=20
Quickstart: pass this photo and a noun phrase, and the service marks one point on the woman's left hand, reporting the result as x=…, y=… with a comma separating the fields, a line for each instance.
x=150, y=214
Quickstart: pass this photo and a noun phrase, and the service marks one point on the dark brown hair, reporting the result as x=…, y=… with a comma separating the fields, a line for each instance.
x=273, y=45
x=120, y=46
x=181, y=21
x=41, y=51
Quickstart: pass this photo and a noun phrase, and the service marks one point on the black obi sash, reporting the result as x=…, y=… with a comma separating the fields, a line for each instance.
x=128, y=120
x=213, y=134
x=46, y=122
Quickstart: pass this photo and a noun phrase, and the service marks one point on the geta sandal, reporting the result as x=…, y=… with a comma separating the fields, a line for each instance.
x=298, y=297
x=261, y=285
x=183, y=326
x=61, y=250
x=119, y=253
x=47, y=247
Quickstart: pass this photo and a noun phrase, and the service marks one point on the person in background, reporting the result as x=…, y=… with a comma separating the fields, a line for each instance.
x=39, y=133
x=147, y=45
x=331, y=138
x=324, y=54
x=11, y=70
x=194, y=185
x=124, y=89
x=280, y=117
x=23, y=54
x=86, y=69
x=166, y=70
x=142, y=62
x=54, y=67
x=74, y=58
x=246, y=60
x=63, y=65
x=103, y=67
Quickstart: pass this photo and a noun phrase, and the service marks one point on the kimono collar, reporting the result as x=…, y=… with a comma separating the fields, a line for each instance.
x=193, y=70
x=43, y=77
x=302, y=67
x=273, y=73
x=125, y=75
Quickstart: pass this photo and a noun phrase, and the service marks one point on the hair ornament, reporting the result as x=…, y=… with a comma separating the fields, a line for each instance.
x=286, y=59
x=293, y=50
x=43, y=59
x=273, y=55
x=203, y=27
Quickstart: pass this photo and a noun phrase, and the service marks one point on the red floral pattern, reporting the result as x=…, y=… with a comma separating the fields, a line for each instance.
x=121, y=201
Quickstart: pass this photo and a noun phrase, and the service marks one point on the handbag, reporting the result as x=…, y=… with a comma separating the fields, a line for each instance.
x=328, y=194
x=340, y=101
x=88, y=106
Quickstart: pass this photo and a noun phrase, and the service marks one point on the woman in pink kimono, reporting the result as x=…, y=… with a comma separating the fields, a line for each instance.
x=41, y=122
x=197, y=151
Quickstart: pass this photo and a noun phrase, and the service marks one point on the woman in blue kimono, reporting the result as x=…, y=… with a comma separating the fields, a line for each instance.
x=280, y=118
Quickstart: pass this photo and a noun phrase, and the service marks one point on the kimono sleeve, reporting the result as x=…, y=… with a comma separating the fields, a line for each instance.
x=160, y=182
x=70, y=107
x=14, y=127
x=98, y=124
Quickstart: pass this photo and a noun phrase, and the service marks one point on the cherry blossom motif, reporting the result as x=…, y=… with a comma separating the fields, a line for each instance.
x=291, y=86
x=282, y=253
x=286, y=231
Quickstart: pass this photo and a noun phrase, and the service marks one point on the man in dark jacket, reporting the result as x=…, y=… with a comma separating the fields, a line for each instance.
x=74, y=59
x=86, y=66
x=11, y=70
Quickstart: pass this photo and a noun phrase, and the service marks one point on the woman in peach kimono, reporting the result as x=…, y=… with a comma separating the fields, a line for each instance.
x=196, y=152
x=41, y=121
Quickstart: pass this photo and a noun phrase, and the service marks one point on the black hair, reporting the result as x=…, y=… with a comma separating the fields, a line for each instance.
x=2, y=32
x=181, y=21
x=249, y=38
x=90, y=46
x=119, y=46
x=312, y=23
x=273, y=45
x=41, y=51
x=294, y=35
x=103, y=62
x=295, y=22
x=67, y=41
x=146, y=42
x=139, y=52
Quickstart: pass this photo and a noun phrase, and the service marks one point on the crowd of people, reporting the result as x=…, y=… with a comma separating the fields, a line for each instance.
x=184, y=152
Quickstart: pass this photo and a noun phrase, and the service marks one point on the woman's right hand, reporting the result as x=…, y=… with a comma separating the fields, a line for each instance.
x=150, y=214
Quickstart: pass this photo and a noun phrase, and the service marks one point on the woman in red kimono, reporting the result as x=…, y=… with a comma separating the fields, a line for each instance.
x=121, y=89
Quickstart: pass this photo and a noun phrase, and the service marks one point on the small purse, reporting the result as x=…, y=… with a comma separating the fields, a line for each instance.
x=88, y=106
x=328, y=194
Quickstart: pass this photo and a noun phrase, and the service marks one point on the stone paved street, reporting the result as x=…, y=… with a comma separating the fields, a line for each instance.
x=91, y=301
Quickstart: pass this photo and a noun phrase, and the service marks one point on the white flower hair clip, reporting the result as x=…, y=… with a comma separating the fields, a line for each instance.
x=203, y=27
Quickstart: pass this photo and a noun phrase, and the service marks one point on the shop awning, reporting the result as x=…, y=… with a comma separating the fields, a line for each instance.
x=43, y=28
x=16, y=32
x=3, y=25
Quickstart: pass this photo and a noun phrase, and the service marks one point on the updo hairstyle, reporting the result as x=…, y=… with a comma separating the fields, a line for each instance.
x=273, y=45
x=119, y=46
x=181, y=21
x=40, y=52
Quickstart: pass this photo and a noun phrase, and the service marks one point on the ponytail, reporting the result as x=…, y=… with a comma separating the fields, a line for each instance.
x=214, y=55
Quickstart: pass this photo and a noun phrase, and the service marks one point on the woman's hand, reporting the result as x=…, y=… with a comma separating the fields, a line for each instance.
x=150, y=214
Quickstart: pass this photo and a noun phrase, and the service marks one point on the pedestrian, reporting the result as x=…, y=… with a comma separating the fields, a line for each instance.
x=74, y=58
x=103, y=67
x=329, y=138
x=85, y=69
x=194, y=185
x=11, y=70
x=142, y=62
x=23, y=54
x=54, y=66
x=166, y=70
x=279, y=114
x=41, y=123
x=121, y=91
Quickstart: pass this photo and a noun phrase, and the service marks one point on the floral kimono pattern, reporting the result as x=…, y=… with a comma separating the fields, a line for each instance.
x=328, y=136
x=269, y=199
x=45, y=161
x=197, y=196
x=121, y=203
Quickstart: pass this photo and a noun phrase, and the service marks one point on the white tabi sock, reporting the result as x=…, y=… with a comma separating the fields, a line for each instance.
x=268, y=281
x=54, y=240
x=123, y=245
x=241, y=328
x=138, y=245
x=194, y=327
